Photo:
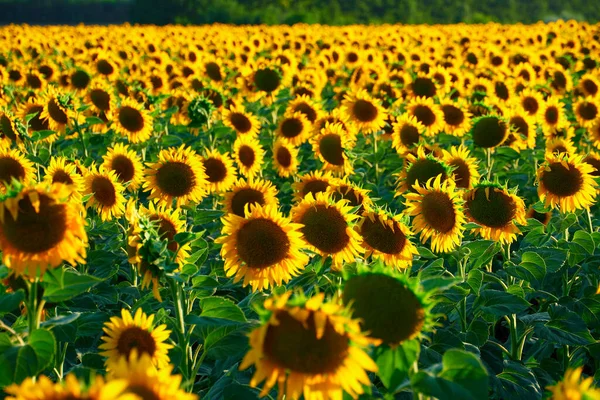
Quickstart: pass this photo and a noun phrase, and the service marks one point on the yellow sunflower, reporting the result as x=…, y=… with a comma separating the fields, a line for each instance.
x=406, y=133
x=531, y=102
x=241, y=121
x=572, y=387
x=313, y=182
x=243, y=194
x=560, y=145
x=342, y=189
x=567, y=182
x=437, y=212
x=100, y=97
x=331, y=146
x=364, y=111
x=106, y=193
x=220, y=172
x=308, y=348
x=70, y=388
x=60, y=170
x=327, y=226
x=41, y=229
x=177, y=175
x=587, y=112
x=9, y=133
x=264, y=248
x=126, y=164
x=464, y=166
x=593, y=158
x=523, y=130
x=14, y=166
x=249, y=156
x=457, y=118
x=552, y=116
x=132, y=121
x=55, y=111
x=427, y=113
x=306, y=106
x=419, y=169
x=285, y=158
x=294, y=128
x=34, y=107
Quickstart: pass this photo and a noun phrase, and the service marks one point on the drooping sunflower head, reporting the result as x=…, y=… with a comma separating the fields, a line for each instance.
x=419, y=169
x=263, y=249
x=106, y=193
x=406, y=133
x=220, y=172
x=40, y=229
x=310, y=348
x=438, y=214
x=489, y=131
x=60, y=170
x=14, y=167
x=427, y=113
x=331, y=146
x=364, y=111
x=572, y=387
x=241, y=121
x=357, y=197
x=464, y=167
x=285, y=158
x=134, y=335
x=178, y=175
x=457, y=118
x=313, y=183
x=566, y=182
x=294, y=128
x=522, y=128
x=132, y=121
x=249, y=156
x=254, y=192
x=328, y=227
x=126, y=164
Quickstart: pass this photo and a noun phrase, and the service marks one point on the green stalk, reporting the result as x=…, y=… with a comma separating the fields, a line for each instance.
x=589, y=215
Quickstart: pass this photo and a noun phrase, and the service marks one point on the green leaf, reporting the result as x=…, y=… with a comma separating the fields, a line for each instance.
x=220, y=307
x=41, y=135
x=565, y=328
x=394, y=363
x=44, y=345
x=227, y=341
x=500, y=303
x=10, y=301
x=585, y=240
x=20, y=362
x=517, y=381
x=553, y=257
x=63, y=284
x=475, y=280
x=91, y=120
x=482, y=252
x=532, y=267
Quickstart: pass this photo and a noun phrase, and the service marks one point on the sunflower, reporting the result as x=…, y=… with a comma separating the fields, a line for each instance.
x=523, y=131
x=495, y=210
x=62, y=171
x=34, y=108
x=427, y=113
x=327, y=227
x=587, y=112
x=56, y=111
x=294, y=128
x=572, y=387
x=437, y=212
x=177, y=175
x=309, y=348
x=244, y=194
x=419, y=169
x=9, y=133
x=593, y=158
x=589, y=85
x=553, y=115
x=489, y=131
x=126, y=164
x=313, y=182
x=306, y=106
x=385, y=237
x=249, y=156
x=380, y=298
x=357, y=197
x=130, y=335
x=285, y=158
x=70, y=388
x=41, y=229
x=464, y=166
x=241, y=121
x=364, y=111
x=531, y=102
x=457, y=119
x=220, y=172
x=106, y=193
x=406, y=133
x=335, y=117
x=560, y=145
x=331, y=146
x=594, y=134
x=263, y=249
x=14, y=166
x=132, y=121
x=100, y=98
x=567, y=182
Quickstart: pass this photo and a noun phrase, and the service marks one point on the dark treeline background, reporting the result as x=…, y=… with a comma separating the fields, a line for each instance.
x=335, y=12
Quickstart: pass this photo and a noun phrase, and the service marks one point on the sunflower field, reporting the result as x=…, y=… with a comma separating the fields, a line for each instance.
x=300, y=212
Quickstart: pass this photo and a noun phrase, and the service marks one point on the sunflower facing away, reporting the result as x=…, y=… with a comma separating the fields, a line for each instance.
x=249, y=156
x=14, y=166
x=106, y=193
x=566, y=182
x=572, y=387
x=126, y=164
x=132, y=121
x=241, y=121
x=285, y=158
x=489, y=131
x=437, y=212
x=244, y=194
x=364, y=111
x=136, y=334
x=220, y=172
x=308, y=348
x=263, y=249
x=40, y=229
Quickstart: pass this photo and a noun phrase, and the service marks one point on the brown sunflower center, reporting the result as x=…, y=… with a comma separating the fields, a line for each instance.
x=246, y=196
x=295, y=346
x=501, y=90
x=562, y=181
x=381, y=237
x=409, y=135
x=175, y=178
x=551, y=115
x=364, y=110
x=330, y=147
x=531, y=105
x=123, y=167
x=143, y=392
x=594, y=162
x=240, y=122
x=216, y=170
x=423, y=87
x=438, y=211
x=422, y=170
x=489, y=132
x=134, y=337
x=560, y=81
x=267, y=80
x=262, y=243
x=57, y=113
x=520, y=125
x=61, y=176
x=307, y=110
x=462, y=173
x=284, y=157
x=131, y=119
x=495, y=210
x=104, y=191
x=453, y=115
x=247, y=156
x=588, y=111
x=11, y=168
x=6, y=128
x=213, y=70
x=104, y=67
x=325, y=228
x=314, y=187
x=80, y=79
x=101, y=99
x=388, y=309
x=590, y=87
x=424, y=115
x=37, y=123
x=33, y=81
x=291, y=127
x=36, y=232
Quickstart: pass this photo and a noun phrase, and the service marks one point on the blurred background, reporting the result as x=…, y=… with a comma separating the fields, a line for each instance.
x=334, y=12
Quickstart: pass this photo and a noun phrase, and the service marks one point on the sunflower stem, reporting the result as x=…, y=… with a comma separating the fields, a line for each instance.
x=514, y=342
x=81, y=139
x=589, y=216
x=375, y=157
x=489, y=163
x=33, y=316
x=177, y=293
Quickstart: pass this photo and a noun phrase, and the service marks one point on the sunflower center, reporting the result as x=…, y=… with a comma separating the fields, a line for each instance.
x=36, y=232
x=6, y=128
x=364, y=110
x=134, y=337
x=246, y=196
x=34, y=81
x=495, y=210
x=262, y=243
x=330, y=147
x=175, y=178
x=240, y=122
x=294, y=345
x=489, y=132
x=423, y=87
x=284, y=157
x=292, y=127
x=307, y=110
x=462, y=173
x=314, y=187
x=104, y=191
x=104, y=67
x=325, y=228
x=267, y=80
x=131, y=119
x=101, y=99
x=56, y=112
x=216, y=170
x=562, y=181
x=590, y=87
x=423, y=170
x=551, y=115
x=37, y=123
x=381, y=237
x=502, y=91
x=588, y=111
x=594, y=162
x=424, y=115
x=143, y=392
x=531, y=105
x=347, y=193
x=560, y=81
x=61, y=176
x=453, y=115
x=438, y=211
x=388, y=309
x=246, y=155
x=80, y=79
x=123, y=167
x=11, y=168
x=213, y=70
x=409, y=135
